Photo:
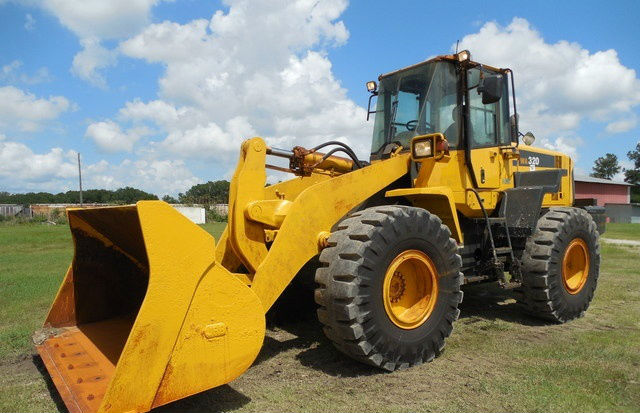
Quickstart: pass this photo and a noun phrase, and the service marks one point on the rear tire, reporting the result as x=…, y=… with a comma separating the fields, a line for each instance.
x=363, y=300
x=560, y=265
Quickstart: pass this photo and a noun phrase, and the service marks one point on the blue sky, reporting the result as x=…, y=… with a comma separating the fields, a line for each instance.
x=159, y=94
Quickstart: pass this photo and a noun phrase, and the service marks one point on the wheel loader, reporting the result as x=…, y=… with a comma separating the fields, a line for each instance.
x=153, y=309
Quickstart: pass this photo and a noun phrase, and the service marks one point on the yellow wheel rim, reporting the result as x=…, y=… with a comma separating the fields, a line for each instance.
x=410, y=289
x=575, y=266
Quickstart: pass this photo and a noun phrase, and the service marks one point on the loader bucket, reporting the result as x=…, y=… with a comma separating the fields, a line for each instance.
x=145, y=315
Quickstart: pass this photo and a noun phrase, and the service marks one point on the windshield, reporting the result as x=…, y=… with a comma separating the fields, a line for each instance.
x=417, y=101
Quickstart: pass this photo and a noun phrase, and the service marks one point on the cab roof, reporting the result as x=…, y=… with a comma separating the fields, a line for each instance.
x=444, y=57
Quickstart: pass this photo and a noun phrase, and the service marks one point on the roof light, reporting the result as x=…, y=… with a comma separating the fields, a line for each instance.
x=372, y=86
x=463, y=56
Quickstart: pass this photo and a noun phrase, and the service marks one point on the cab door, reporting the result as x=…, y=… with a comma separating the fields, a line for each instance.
x=487, y=130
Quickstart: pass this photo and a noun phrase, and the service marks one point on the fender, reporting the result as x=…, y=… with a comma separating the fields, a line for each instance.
x=437, y=200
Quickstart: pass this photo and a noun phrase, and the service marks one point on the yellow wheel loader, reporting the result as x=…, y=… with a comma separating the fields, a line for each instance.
x=153, y=309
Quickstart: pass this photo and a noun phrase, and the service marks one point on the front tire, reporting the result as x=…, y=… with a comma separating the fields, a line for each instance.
x=561, y=264
x=389, y=286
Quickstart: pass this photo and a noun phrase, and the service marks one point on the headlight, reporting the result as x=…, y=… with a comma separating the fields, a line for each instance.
x=422, y=149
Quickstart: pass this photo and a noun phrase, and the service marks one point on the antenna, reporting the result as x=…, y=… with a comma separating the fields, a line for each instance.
x=457, y=43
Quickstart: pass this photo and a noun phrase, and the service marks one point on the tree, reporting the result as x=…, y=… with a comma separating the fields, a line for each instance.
x=129, y=195
x=208, y=193
x=169, y=199
x=606, y=166
x=632, y=176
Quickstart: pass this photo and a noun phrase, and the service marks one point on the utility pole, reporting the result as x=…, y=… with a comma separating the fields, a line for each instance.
x=80, y=178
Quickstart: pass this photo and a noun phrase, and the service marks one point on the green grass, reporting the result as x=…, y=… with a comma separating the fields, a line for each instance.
x=622, y=231
x=214, y=228
x=33, y=260
x=496, y=360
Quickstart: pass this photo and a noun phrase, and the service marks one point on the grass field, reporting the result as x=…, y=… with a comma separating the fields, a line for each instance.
x=623, y=231
x=496, y=360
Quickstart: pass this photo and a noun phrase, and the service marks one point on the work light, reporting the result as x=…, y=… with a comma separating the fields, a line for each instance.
x=464, y=56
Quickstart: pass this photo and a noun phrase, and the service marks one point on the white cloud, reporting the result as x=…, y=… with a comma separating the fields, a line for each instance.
x=29, y=22
x=26, y=111
x=11, y=73
x=94, y=21
x=223, y=84
x=558, y=84
x=622, y=125
x=102, y=19
x=166, y=115
x=567, y=145
x=93, y=57
x=160, y=177
x=19, y=165
x=110, y=138
x=22, y=169
x=209, y=141
x=10, y=69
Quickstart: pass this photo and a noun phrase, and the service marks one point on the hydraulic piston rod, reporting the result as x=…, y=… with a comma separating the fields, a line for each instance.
x=304, y=161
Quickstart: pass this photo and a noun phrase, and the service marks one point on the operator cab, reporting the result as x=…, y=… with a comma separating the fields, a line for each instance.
x=435, y=96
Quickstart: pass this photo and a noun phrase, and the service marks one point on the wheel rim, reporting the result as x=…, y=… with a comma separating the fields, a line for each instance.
x=575, y=266
x=410, y=289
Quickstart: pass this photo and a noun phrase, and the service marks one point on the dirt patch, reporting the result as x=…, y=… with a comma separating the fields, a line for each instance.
x=30, y=367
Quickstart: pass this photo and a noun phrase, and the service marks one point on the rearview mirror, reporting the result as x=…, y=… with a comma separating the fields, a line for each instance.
x=490, y=87
x=528, y=138
x=513, y=123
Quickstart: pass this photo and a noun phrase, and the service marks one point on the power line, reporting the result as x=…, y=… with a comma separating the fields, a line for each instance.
x=80, y=178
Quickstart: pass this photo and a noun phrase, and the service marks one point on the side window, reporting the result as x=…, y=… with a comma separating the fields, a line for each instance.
x=505, y=126
x=483, y=119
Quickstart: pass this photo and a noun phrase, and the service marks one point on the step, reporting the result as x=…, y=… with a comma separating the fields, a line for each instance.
x=492, y=220
x=503, y=250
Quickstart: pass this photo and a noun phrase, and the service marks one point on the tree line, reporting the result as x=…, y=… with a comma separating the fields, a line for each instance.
x=126, y=195
x=216, y=192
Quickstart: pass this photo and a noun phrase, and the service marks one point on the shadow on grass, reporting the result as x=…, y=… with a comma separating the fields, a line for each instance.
x=219, y=399
x=55, y=396
x=295, y=313
x=489, y=301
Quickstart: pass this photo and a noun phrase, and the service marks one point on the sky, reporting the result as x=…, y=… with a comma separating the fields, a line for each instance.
x=159, y=94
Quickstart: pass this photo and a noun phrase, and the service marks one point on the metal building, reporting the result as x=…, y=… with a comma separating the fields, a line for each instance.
x=604, y=191
x=615, y=196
